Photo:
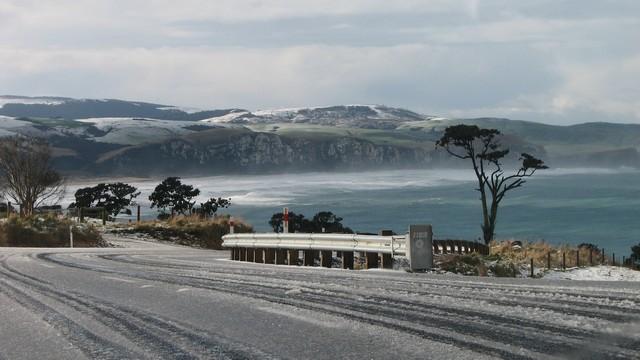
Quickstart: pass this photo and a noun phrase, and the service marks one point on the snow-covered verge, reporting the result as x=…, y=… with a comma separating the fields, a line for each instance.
x=595, y=273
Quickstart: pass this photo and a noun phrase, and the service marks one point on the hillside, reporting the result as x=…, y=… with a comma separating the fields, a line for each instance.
x=137, y=138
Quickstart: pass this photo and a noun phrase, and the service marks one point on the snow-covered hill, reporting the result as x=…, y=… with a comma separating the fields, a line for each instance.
x=360, y=116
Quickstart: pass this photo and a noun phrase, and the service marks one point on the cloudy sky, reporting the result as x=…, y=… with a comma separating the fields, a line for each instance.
x=552, y=61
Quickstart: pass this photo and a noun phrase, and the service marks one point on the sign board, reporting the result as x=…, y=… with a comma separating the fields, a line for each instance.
x=420, y=247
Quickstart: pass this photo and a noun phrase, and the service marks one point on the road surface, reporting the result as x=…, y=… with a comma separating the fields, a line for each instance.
x=156, y=301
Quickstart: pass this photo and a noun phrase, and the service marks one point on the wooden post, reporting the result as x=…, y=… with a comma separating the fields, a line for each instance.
x=602, y=257
x=325, y=258
x=81, y=214
x=531, y=267
x=613, y=259
x=308, y=257
x=292, y=257
x=371, y=260
x=564, y=263
x=387, y=261
x=347, y=260
x=104, y=217
x=578, y=257
x=281, y=256
x=269, y=256
x=138, y=214
x=549, y=260
x=257, y=255
x=591, y=256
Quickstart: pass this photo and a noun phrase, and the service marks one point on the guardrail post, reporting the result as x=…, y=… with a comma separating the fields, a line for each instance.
x=281, y=256
x=387, y=261
x=257, y=256
x=269, y=256
x=309, y=257
x=347, y=260
x=325, y=258
x=371, y=260
x=420, y=247
x=292, y=257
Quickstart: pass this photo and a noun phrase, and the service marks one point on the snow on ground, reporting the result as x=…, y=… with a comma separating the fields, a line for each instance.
x=595, y=273
x=134, y=131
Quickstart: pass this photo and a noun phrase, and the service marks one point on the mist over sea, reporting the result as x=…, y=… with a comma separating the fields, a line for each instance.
x=600, y=206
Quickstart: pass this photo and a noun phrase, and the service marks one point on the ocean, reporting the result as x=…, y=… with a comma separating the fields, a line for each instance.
x=560, y=206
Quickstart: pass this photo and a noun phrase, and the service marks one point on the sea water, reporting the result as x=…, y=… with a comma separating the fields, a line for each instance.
x=560, y=206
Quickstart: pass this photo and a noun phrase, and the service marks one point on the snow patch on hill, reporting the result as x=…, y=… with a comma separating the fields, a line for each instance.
x=7, y=99
x=135, y=131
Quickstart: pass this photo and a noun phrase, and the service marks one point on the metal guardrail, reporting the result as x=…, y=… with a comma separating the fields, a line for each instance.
x=281, y=248
x=327, y=242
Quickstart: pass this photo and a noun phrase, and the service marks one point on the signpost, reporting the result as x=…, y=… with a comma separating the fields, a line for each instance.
x=285, y=220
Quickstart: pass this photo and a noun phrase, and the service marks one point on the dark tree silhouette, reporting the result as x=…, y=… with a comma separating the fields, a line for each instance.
x=329, y=222
x=482, y=147
x=113, y=197
x=172, y=194
x=26, y=174
x=212, y=205
x=298, y=223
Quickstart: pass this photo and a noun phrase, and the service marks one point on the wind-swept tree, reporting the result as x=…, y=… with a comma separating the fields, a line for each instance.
x=212, y=205
x=26, y=174
x=172, y=194
x=113, y=197
x=483, y=149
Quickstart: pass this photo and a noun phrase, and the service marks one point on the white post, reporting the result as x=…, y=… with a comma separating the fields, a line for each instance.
x=70, y=236
x=285, y=222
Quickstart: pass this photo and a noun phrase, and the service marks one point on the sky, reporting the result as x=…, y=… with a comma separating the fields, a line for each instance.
x=552, y=61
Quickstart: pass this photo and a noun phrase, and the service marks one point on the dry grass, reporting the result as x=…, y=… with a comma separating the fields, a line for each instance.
x=47, y=231
x=539, y=252
x=191, y=230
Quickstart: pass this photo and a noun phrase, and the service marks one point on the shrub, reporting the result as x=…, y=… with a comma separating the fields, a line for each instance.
x=47, y=231
x=190, y=230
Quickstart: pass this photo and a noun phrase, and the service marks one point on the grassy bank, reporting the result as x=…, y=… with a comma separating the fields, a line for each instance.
x=47, y=231
x=513, y=259
x=187, y=230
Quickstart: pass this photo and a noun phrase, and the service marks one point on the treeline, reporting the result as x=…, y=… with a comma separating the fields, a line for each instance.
x=322, y=222
x=171, y=197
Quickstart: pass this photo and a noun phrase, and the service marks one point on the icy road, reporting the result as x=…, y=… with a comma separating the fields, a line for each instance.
x=162, y=302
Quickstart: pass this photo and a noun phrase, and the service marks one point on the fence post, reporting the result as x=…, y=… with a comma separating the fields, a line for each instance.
x=531, y=267
x=564, y=263
x=81, y=214
x=613, y=259
x=591, y=256
x=138, y=214
x=549, y=260
x=71, y=236
x=578, y=257
x=104, y=217
x=602, y=257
